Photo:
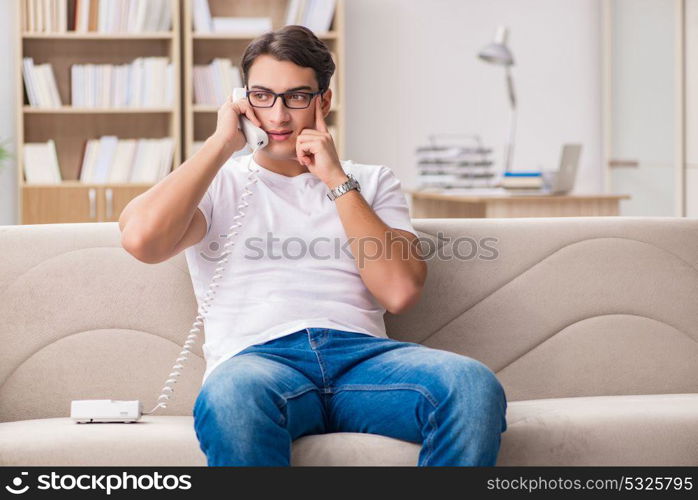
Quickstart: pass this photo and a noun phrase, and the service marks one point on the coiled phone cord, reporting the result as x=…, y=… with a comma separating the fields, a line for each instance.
x=168, y=390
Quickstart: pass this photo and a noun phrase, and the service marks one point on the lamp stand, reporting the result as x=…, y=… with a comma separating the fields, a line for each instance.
x=509, y=152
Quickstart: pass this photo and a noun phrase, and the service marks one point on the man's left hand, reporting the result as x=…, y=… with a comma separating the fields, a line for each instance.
x=316, y=150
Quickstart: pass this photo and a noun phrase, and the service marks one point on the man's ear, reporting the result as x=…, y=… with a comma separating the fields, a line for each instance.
x=326, y=102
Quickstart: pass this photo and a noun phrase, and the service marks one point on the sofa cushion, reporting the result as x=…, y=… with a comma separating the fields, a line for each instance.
x=633, y=430
x=658, y=429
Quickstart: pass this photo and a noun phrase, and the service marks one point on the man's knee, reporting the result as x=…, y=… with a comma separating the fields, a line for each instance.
x=479, y=387
x=470, y=381
x=479, y=376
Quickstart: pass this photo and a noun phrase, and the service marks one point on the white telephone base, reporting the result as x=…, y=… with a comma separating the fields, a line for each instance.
x=105, y=410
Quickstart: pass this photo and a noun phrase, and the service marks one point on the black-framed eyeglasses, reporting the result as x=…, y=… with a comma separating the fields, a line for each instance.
x=292, y=100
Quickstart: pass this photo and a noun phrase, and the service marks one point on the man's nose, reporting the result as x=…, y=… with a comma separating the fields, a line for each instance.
x=279, y=112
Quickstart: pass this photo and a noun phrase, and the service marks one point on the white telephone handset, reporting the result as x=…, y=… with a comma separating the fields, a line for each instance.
x=256, y=137
x=108, y=410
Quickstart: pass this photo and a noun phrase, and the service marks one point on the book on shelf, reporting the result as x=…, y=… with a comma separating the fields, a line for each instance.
x=315, y=15
x=145, y=82
x=201, y=16
x=45, y=16
x=241, y=25
x=41, y=163
x=97, y=16
x=40, y=84
x=204, y=23
x=214, y=82
x=112, y=160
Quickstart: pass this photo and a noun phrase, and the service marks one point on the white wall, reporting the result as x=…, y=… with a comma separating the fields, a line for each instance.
x=399, y=51
x=692, y=108
x=644, y=63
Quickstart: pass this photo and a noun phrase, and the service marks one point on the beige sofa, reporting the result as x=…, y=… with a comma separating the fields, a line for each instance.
x=591, y=324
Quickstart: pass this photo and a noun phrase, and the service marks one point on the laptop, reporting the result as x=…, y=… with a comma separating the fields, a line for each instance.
x=564, y=177
x=563, y=182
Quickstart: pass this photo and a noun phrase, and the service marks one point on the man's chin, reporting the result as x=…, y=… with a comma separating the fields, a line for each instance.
x=279, y=152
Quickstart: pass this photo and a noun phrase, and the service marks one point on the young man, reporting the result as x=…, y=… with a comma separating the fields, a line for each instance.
x=295, y=338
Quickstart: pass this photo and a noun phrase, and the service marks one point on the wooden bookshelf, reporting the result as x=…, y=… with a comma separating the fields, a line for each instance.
x=70, y=128
x=201, y=48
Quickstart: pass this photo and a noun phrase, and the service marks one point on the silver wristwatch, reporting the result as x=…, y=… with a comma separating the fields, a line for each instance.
x=352, y=183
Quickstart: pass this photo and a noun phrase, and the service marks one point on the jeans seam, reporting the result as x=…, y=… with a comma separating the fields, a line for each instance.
x=322, y=370
x=389, y=387
x=429, y=439
x=320, y=363
x=290, y=395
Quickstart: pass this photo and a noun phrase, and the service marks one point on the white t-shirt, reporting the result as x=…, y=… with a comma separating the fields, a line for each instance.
x=291, y=265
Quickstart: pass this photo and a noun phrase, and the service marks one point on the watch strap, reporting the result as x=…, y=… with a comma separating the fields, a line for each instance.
x=344, y=188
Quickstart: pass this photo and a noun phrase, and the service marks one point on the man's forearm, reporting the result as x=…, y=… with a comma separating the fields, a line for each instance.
x=388, y=262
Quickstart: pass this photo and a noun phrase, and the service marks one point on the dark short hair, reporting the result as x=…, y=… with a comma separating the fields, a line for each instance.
x=296, y=44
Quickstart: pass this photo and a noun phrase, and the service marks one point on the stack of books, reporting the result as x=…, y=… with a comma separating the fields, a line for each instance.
x=522, y=182
x=112, y=160
x=455, y=167
x=214, y=82
x=100, y=16
x=146, y=82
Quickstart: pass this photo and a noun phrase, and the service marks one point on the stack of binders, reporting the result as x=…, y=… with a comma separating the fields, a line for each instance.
x=443, y=167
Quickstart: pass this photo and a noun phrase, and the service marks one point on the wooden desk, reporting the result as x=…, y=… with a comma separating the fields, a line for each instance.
x=426, y=204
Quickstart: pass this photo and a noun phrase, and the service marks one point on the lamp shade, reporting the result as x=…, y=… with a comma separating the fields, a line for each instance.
x=498, y=52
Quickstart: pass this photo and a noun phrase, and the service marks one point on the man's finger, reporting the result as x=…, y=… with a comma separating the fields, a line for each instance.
x=319, y=119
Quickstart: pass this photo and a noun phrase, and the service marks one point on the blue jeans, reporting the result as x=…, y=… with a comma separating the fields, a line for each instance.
x=318, y=380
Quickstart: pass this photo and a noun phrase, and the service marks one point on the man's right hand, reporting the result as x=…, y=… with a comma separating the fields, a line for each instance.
x=228, y=129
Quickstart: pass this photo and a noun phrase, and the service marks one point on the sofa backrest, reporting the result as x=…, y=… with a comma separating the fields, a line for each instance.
x=556, y=307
